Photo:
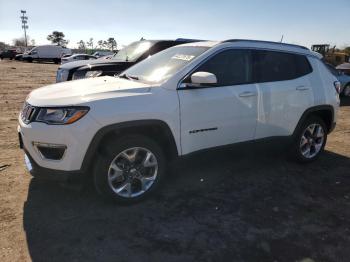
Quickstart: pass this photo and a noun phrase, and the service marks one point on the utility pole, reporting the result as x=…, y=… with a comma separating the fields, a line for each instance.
x=24, y=19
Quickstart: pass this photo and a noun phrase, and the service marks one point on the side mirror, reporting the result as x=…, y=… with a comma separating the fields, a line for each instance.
x=203, y=78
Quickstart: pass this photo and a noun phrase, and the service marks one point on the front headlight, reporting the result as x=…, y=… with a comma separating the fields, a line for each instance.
x=62, y=75
x=93, y=73
x=61, y=116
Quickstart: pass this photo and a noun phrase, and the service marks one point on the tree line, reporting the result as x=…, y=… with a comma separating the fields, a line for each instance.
x=109, y=44
x=59, y=38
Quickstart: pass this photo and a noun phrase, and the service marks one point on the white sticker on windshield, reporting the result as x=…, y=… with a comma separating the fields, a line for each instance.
x=183, y=57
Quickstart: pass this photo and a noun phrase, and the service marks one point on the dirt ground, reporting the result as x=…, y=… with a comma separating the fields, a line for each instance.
x=249, y=204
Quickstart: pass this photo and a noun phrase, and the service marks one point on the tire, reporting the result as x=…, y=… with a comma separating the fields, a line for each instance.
x=126, y=170
x=346, y=91
x=56, y=61
x=30, y=60
x=314, y=142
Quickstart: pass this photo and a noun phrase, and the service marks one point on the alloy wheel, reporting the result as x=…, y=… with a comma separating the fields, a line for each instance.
x=312, y=140
x=132, y=172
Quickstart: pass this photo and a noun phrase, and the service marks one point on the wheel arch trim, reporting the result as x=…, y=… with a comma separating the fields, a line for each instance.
x=313, y=110
x=101, y=133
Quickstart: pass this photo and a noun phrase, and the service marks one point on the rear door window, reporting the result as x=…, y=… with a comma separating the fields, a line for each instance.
x=270, y=66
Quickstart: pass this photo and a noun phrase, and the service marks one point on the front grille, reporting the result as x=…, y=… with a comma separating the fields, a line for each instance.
x=78, y=75
x=28, y=113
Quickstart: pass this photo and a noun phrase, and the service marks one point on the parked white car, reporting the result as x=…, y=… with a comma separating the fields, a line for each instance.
x=124, y=130
x=46, y=53
x=99, y=54
x=77, y=57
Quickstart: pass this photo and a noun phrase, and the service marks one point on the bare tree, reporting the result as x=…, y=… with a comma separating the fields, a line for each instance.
x=19, y=41
x=3, y=46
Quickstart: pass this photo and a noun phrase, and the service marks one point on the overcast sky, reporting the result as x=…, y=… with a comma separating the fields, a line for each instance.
x=303, y=22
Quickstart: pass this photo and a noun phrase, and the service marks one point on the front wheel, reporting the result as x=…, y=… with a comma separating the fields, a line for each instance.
x=129, y=169
x=310, y=140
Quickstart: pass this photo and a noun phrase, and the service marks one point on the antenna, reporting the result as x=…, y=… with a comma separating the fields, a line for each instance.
x=282, y=38
x=24, y=20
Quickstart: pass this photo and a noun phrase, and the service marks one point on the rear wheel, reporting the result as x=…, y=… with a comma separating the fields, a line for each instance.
x=130, y=169
x=310, y=140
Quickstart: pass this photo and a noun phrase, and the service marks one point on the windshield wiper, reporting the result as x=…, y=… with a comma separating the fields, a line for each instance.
x=129, y=77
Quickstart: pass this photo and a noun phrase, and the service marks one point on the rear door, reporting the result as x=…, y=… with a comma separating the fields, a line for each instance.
x=222, y=114
x=284, y=91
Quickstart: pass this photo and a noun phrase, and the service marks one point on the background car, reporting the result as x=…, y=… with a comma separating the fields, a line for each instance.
x=77, y=57
x=106, y=57
x=343, y=78
x=10, y=53
x=99, y=54
x=345, y=67
x=125, y=58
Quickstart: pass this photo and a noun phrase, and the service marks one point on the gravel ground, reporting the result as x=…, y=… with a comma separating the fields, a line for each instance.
x=243, y=204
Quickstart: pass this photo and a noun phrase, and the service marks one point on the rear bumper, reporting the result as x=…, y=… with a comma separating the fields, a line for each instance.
x=50, y=174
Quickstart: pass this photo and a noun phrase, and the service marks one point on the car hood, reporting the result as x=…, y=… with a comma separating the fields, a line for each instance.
x=83, y=91
x=81, y=63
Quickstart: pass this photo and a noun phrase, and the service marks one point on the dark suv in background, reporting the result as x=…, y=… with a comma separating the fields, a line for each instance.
x=11, y=54
x=125, y=58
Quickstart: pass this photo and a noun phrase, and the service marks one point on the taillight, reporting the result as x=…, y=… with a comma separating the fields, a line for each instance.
x=337, y=86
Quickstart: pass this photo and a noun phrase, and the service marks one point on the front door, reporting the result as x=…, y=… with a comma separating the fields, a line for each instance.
x=222, y=114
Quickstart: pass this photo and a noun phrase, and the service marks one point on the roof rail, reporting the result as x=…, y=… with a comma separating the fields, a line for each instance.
x=188, y=40
x=266, y=42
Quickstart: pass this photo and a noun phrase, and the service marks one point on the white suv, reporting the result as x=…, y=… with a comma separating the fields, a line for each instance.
x=124, y=130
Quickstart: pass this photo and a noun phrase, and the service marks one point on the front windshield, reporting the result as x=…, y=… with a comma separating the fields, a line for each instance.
x=163, y=65
x=133, y=51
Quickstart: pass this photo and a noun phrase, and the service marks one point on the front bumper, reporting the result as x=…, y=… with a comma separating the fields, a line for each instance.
x=50, y=174
x=75, y=138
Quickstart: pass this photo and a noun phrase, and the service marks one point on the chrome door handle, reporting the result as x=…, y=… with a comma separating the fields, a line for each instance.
x=247, y=94
x=302, y=88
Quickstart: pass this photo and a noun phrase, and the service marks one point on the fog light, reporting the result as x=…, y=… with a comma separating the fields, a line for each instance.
x=50, y=151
